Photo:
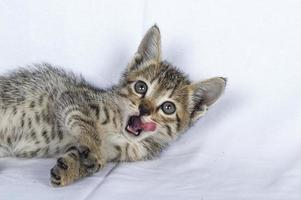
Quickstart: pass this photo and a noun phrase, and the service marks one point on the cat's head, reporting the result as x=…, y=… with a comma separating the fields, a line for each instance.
x=161, y=101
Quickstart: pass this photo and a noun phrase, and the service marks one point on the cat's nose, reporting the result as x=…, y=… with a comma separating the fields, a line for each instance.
x=144, y=109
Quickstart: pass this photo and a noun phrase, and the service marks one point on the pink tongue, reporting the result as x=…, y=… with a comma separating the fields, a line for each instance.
x=148, y=126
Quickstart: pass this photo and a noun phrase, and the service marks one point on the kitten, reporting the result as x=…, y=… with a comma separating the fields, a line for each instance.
x=47, y=112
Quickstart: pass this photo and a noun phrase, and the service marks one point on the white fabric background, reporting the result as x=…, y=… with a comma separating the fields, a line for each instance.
x=248, y=146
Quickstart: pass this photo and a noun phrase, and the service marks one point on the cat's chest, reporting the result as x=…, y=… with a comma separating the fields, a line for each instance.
x=117, y=148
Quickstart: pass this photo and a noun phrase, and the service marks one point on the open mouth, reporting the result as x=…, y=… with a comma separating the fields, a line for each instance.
x=135, y=126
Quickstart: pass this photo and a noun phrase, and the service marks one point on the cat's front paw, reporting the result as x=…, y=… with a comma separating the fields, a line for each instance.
x=90, y=161
x=77, y=162
x=66, y=171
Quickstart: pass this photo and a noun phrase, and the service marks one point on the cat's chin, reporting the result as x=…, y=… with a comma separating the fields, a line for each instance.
x=135, y=136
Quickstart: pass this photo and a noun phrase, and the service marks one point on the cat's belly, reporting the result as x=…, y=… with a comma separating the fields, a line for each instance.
x=26, y=133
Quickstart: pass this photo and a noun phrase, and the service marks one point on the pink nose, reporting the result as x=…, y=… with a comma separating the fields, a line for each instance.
x=149, y=126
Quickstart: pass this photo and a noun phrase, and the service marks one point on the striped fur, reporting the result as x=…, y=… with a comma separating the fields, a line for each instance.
x=46, y=112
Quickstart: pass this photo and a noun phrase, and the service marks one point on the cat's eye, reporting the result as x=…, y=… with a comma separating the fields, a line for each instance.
x=140, y=87
x=168, y=107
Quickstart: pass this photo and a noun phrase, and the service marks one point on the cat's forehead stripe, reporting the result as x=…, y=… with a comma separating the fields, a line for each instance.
x=165, y=76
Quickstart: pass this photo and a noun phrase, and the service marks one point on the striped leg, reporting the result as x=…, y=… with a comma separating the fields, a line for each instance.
x=86, y=157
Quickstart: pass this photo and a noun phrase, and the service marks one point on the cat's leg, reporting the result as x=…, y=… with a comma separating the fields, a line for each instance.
x=81, y=160
x=86, y=156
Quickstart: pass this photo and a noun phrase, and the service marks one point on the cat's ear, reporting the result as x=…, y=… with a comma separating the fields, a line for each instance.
x=149, y=48
x=204, y=94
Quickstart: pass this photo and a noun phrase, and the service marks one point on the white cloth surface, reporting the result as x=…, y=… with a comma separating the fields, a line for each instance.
x=248, y=146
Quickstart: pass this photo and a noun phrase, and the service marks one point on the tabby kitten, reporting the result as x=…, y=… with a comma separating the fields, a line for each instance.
x=47, y=112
